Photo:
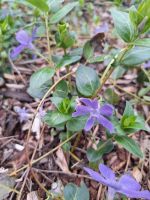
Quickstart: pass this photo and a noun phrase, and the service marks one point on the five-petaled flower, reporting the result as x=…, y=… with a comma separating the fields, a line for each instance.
x=126, y=185
x=95, y=112
x=23, y=114
x=25, y=41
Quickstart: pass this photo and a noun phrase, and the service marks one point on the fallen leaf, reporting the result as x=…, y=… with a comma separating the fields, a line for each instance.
x=61, y=161
x=32, y=196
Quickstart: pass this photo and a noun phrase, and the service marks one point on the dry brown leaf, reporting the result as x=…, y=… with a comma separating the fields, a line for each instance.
x=61, y=161
x=32, y=196
x=137, y=174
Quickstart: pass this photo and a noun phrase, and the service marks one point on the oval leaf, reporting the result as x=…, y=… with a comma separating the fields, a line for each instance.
x=129, y=145
x=136, y=56
x=39, y=4
x=60, y=14
x=123, y=25
x=87, y=81
x=40, y=82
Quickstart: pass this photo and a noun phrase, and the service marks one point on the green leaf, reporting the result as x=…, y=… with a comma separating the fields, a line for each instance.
x=123, y=25
x=136, y=56
x=54, y=118
x=96, y=59
x=102, y=148
x=68, y=60
x=111, y=96
x=118, y=72
x=145, y=42
x=42, y=5
x=87, y=81
x=73, y=192
x=40, y=82
x=76, y=124
x=144, y=91
x=130, y=145
x=61, y=90
x=60, y=14
x=88, y=50
x=128, y=109
x=54, y=5
x=64, y=105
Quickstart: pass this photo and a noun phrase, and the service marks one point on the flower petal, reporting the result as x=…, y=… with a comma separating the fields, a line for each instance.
x=107, y=110
x=89, y=124
x=106, y=172
x=89, y=102
x=81, y=110
x=16, y=51
x=23, y=38
x=95, y=175
x=128, y=182
x=111, y=193
x=106, y=123
x=145, y=194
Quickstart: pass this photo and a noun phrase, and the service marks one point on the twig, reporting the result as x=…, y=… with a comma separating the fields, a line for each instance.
x=15, y=69
x=61, y=172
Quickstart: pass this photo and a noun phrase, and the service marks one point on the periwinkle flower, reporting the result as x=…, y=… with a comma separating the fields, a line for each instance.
x=95, y=112
x=25, y=41
x=147, y=64
x=23, y=114
x=126, y=185
x=101, y=29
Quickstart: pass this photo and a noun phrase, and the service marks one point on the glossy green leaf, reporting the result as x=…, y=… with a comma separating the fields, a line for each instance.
x=54, y=118
x=60, y=14
x=88, y=50
x=67, y=60
x=73, y=192
x=102, y=148
x=136, y=56
x=111, y=96
x=87, y=81
x=145, y=42
x=123, y=25
x=42, y=5
x=76, y=124
x=96, y=59
x=130, y=145
x=61, y=90
x=40, y=82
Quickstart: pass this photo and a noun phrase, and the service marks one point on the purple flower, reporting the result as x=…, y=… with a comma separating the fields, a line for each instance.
x=25, y=41
x=41, y=112
x=126, y=185
x=95, y=113
x=102, y=29
x=147, y=64
x=23, y=114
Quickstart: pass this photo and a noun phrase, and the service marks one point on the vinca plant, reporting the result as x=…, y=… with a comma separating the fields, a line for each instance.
x=83, y=106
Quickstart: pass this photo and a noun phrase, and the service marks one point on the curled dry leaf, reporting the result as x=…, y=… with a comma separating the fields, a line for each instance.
x=61, y=161
x=32, y=196
x=137, y=174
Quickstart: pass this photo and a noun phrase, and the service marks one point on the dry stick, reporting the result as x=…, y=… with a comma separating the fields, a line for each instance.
x=15, y=69
x=40, y=185
x=43, y=156
x=24, y=182
x=29, y=165
x=131, y=94
x=62, y=172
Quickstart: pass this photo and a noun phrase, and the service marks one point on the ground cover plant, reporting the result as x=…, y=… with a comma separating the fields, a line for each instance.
x=74, y=95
